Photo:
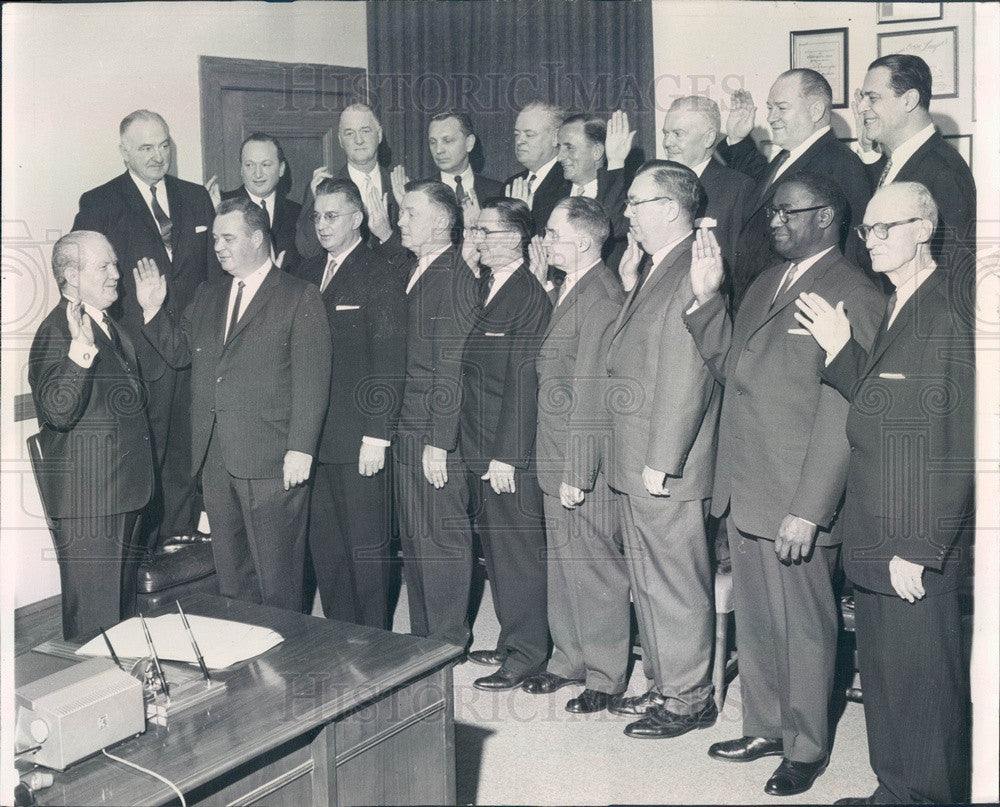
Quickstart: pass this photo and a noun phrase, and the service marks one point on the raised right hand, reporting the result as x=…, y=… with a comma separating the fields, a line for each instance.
x=742, y=113
x=518, y=189
x=398, y=180
x=318, y=176
x=538, y=261
x=150, y=287
x=706, y=265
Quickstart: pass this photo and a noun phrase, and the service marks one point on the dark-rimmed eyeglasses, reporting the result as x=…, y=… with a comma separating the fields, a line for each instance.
x=783, y=212
x=482, y=232
x=634, y=203
x=881, y=228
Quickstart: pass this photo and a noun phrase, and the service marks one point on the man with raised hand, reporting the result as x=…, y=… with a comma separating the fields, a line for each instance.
x=536, y=146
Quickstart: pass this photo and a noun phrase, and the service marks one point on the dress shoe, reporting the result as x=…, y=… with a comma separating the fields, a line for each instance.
x=501, y=679
x=746, y=749
x=635, y=705
x=488, y=658
x=660, y=723
x=855, y=800
x=794, y=777
x=545, y=683
x=589, y=701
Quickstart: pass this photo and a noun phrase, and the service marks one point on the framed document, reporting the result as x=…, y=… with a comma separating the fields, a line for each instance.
x=962, y=144
x=908, y=12
x=824, y=51
x=936, y=46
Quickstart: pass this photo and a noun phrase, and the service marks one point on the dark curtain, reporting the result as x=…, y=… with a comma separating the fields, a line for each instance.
x=490, y=57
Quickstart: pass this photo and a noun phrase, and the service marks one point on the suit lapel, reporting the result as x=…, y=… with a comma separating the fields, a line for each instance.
x=569, y=302
x=504, y=290
x=902, y=173
x=144, y=214
x=256, y=304
x=345, y=272
x=885, y=337
x=804, y=283
x=660, y=271
x=801, y=163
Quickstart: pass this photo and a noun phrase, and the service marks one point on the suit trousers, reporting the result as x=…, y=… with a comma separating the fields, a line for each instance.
x=436, y=539
x=349, y=543
x=913, y=674
x=511, y=529
x=175, y=508
x=258, y=534
x=666, y=551
x=588, y=592
x=99, y=561
x=786, y=631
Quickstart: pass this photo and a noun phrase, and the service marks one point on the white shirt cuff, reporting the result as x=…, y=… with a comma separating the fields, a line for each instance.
x=82, y=353
x=375, y=441
x=867, y=157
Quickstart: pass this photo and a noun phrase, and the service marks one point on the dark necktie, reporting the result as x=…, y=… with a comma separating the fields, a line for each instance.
x=643, y=271
x=263, y=206
x=485, y=284
x=786, y=283
x=328, y=273
x=779, y=160
x=885, y=172
x=460, y=193
x=890, y=307
x=558, y=277
x=532, y=179
x=116, y=340
x=235, y=316
x=162, y=220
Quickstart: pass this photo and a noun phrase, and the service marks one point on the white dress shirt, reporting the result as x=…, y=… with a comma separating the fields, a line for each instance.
x=468, y=179
x=269, y=199
x=251, y=284
x=501, y=276
x=572, y=278
x=539, y=175
x=147, y=195
x=589, y=190
x=797, y=270
x=799, y=150
x=906, y=289
x=360, y=178
x=338, y=261
x=657, y=257
x=423, y=263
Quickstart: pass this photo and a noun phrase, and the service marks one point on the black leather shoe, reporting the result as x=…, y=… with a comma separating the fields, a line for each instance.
x=855, y=800
x=746, y=749
x=501, y=679
x=636, y=705
x=794, y=777
x=660, y=723
x=589, y=701
x=488, y=658
x=545, y=683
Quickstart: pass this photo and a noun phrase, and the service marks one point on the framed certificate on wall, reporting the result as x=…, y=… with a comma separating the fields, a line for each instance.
x=936, y=46
x=824, y=51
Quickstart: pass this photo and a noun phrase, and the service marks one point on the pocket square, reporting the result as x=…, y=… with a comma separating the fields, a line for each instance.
x=799, y=332
x=201, y=228
x=489, y=333
x=705, y=221
x=348, y=307
x=892, y=376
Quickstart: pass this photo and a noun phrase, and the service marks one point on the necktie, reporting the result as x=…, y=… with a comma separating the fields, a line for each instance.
x=328, y=273
x=485, y=283
x=780, y=159
x=116, y=340
x=558, y=277
x=235, y=316
x=786, y=283
x=577, y=190
x=890, y=309
x=263, y=206
x=162, y=219
x=411, y=275
x=460, y=193
x=885, y=172
x=532, y=179
x=643, y=271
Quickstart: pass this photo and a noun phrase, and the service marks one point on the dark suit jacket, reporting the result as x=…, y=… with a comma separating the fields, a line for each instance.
x=941, y=169
x=284, y=219
x=910, y=476
x=94, y=431
x=439, y=316
x=573, y=434
x=499, y=382
x=484, y=187
x=782, y=446
x=264, y=391
x=118, y=211
x=550, y=190
x=664, y=402
x=827, y=156
x=727, y=195
x=366, y=306
x=305, y=236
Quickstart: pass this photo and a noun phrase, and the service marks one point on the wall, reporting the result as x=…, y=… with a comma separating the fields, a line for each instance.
x=70, y=73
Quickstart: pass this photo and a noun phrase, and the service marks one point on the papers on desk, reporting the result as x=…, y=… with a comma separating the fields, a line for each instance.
x=222, y=642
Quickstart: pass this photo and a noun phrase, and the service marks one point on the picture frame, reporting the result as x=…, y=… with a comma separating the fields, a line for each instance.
x=936, y=46
x=908, y=12
x=962, y=144
x=825, y=51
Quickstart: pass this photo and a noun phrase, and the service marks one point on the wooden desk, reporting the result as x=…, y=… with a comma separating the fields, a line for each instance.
x=335, y=714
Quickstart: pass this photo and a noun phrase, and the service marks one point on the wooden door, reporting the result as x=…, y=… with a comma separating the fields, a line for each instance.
x=300, y=104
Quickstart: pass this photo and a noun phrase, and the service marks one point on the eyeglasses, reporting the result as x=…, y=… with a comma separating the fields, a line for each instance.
x=482, y=232
x=634, y=203
x=881, y=228
x=783, y=212
x=330, y=217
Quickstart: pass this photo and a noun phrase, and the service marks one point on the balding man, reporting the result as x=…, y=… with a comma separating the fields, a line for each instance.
x=798, y=112
x=147, y=213
x=90, y=403
x=359, y=133
x=907, y=513
x=536, y=146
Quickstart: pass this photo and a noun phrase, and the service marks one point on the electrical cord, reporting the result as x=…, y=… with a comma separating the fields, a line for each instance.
x=154, y=774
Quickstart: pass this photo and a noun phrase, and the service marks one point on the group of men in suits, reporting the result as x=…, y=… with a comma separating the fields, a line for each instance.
x=577, y=366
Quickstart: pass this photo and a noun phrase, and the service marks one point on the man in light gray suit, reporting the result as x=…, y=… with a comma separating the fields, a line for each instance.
x=664, y=411
x=588, y=593
x=780, y=473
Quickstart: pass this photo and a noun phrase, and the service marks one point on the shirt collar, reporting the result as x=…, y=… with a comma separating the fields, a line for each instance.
x=908, y=148
x=339, y=258
x=906, y=289
x=542, y=172
x=358, y=177
x=802, y=266
x=800, y=149
x=699, y=169
x=661, y=253
x=144, y=186
x=572, y=278
x=589, y=189
x=269, y=199
x=468, y=178
x=252, y=281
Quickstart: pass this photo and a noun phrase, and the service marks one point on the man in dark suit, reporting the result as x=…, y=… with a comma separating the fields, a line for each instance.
x=262, y=165
x=90, y=403
x=349, y=509
x=536, y=145
x=584, y=143
x=259, y=349
x=664, y=407
x=894, y=110
x=909, y=503
x=431, y=494
x=588, y=593
x=359, y=133
x=497, y=437
x=146, y=213
x=780, y=472
x=798, y=112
